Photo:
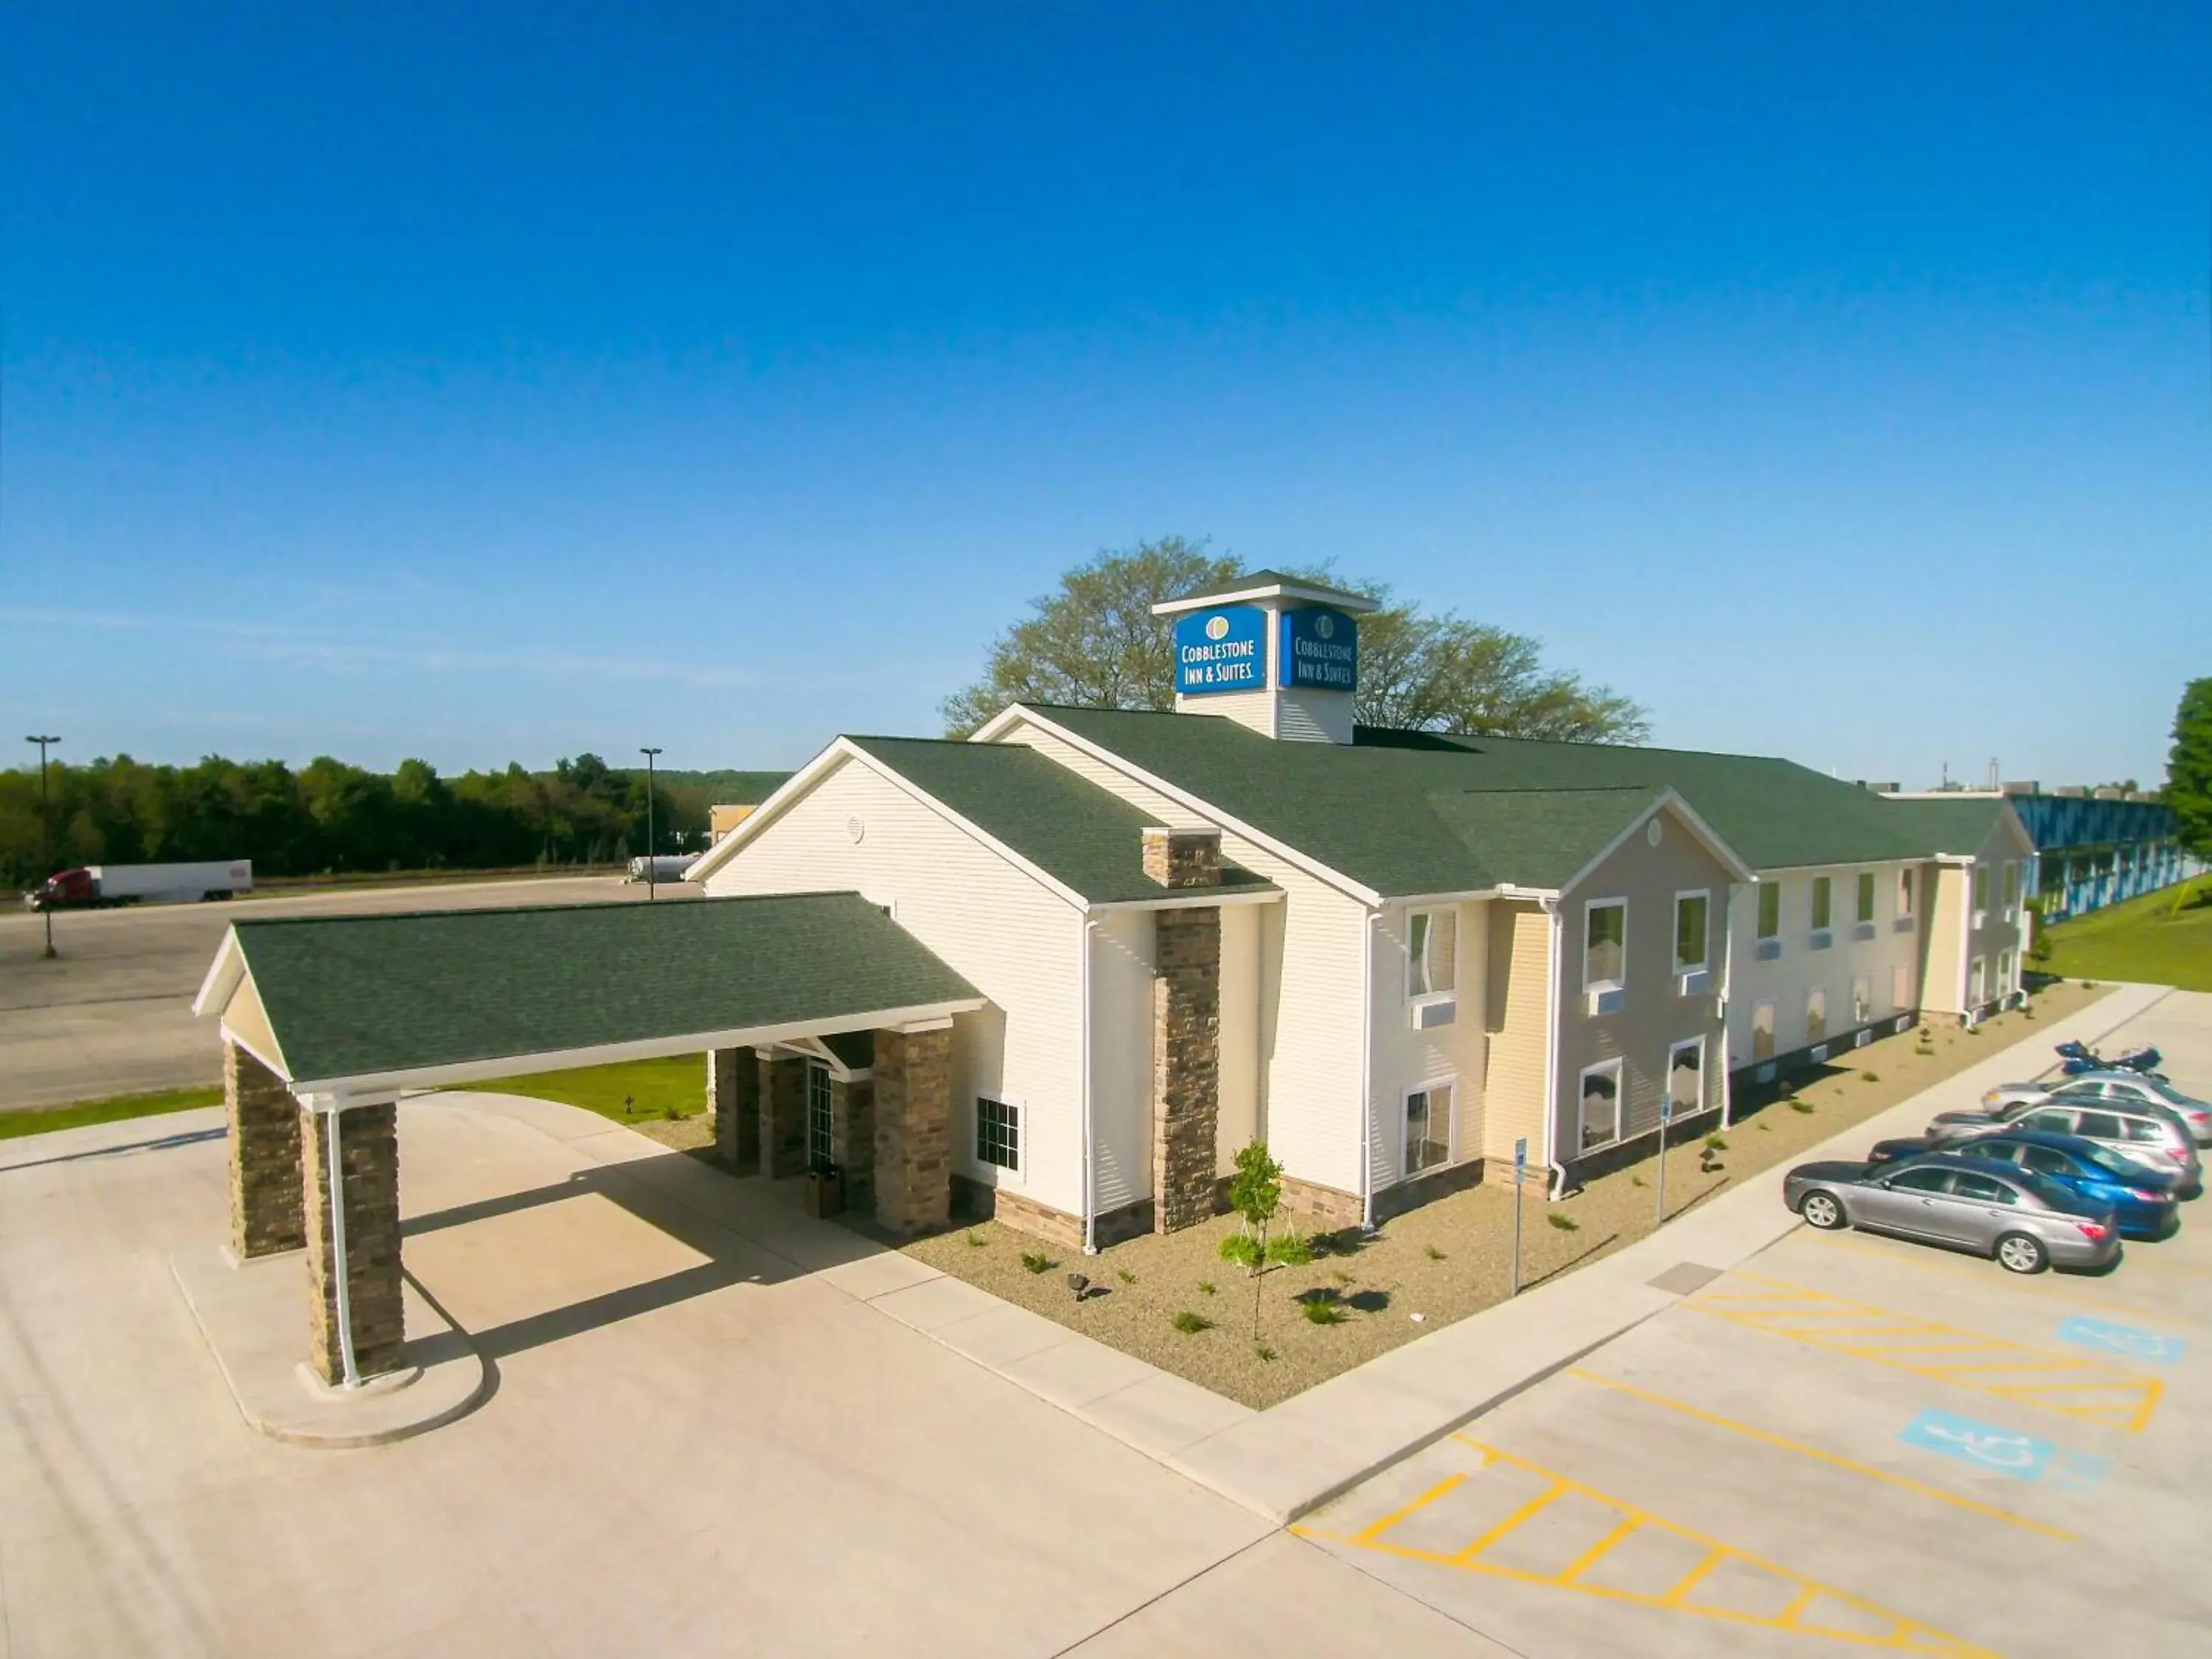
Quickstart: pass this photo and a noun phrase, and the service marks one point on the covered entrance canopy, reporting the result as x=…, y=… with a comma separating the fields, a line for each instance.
x=326, y=1020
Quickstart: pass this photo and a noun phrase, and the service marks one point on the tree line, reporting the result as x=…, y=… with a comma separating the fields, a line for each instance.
x=330, y=818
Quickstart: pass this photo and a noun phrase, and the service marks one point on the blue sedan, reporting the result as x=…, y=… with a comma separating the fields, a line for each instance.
x=2145, y=1200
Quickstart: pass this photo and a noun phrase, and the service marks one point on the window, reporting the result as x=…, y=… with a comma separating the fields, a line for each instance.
x=1862, y=1000
x=1816, y=1016
x=1762, y=1032
x=1600, y=1107
x=1981, y=887
x=820, y=1141
x=1769, y=910
x=1901, y=986
x=1977, y=982
x=1431, y=953
x=997, y=1133
x=2100, y=1125
x=1904, y=892
x=2052, y=1118
x=1428, y=1128
x=1692, y=911
x=2004, y=972
x=2144, y=1130
x=2043, y=1160
x=1605, y=945
x=1820, y=885
x=1921, y=1181
x=1967, y=1184
x=1866, y=895
x=2012, y=885
x=1686, y=1076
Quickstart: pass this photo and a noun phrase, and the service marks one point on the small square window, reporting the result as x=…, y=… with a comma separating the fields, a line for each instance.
x=1816, y=1016
x=1605, y=945
x=1904, y=892
x=2011, y=885
x=1821, y=889
x=1769, y=910
x=1862, y=1000
x=997, y=1133
x=1428, y=1128
x=1691, y=929
x=1866, y=895
x=1901, y=986
x=1982, y=886
x=1600, y=1107
x=1762, y=1032
x=1686, y=1076
x=1431, y=953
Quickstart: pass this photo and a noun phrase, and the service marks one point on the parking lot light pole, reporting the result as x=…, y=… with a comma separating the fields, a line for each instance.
x=650, y=874
x=46, y=836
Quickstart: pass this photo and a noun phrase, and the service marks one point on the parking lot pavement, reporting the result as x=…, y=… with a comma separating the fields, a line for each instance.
x=1849, y=1440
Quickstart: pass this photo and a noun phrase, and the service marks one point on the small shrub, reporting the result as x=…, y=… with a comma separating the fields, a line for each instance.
x=1290, y=1250
x=1262, y=1353
x=1125, y=1275
x=1206, y=1285
x=1716, y=1142
x=1432, y=1253
x=673, y=1113
x=1767, y=1127
x=976, y=1240
x=1924, y=1048
x=1324, y=1313
x=1190, y=1323
x=1973, y=1030
x=1870, y=1077
x=1636, y=1181
x=1241, y=1249
x=1805, y=1106
x=1037, y=1261
x=1565, y=1223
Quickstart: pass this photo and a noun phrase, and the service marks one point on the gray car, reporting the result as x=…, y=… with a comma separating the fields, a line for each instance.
x=2121, y=1087
x=2152, y=1136
x=2026, y=1221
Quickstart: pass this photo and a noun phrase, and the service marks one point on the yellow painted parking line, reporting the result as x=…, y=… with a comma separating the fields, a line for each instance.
x=1834, y=1459
x=1405, y=1510
x=1754, y=1576
x=2092, y=1390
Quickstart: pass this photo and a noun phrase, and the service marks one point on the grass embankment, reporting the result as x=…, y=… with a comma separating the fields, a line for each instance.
x=2160, y=938
x=37, y=1120
x=665, y=1099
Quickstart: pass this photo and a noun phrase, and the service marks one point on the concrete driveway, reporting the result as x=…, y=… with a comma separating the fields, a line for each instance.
x=697, y=1443
x=1847, y=1441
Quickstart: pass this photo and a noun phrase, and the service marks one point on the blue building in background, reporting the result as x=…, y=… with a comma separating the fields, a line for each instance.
x=2093, y=848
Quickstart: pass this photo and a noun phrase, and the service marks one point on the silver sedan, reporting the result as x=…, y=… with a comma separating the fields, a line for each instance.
x=2119, y=1088
x=2026, y=1221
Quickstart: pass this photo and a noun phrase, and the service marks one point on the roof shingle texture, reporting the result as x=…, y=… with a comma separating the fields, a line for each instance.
x=350, y=996
x=1406, y=813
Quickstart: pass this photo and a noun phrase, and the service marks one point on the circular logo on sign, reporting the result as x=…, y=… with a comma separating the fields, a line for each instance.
x=1325, y=625
x=1217, y=628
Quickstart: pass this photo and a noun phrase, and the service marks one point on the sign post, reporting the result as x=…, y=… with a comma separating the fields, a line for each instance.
x=1520, y=1168
x=1666, y=1117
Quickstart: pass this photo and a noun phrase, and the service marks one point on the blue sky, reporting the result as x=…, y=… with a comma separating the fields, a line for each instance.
x=1835, y=379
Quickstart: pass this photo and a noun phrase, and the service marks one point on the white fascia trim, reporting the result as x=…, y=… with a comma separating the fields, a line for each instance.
x=1706, y=834
x=1191, y=899
x=275, y=1063
x=922, y=1016
x=1288, y=855
x=221, y=977
x=1334, y=597
x=1551, y=1130
x=794, y=787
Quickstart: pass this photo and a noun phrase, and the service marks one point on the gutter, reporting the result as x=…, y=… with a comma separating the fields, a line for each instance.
x=1082, y=1085
x=1367, y=1071
x=1552, y=1049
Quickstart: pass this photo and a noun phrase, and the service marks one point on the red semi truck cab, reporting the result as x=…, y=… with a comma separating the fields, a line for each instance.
x=67, y=887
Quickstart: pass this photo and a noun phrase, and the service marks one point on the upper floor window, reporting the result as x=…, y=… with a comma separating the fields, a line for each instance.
x=2012, y=885
x=1866, y=895
x=1904, y=892
x=1820, y=896
x=1981, y=887
x=1691, y=929
x=1605, y=945
x=1431, y=953
x=1769, y=910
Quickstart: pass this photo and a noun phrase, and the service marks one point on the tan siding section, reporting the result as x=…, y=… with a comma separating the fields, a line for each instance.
x=1942, y=963
x=1016, y=941
x=1519, y=982
x=1122, y=1058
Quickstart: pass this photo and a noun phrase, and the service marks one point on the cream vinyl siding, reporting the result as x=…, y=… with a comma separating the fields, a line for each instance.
x=1406, y=1058
x=1241, y=1024
x=2004, y=844
x=1514, y=992
x=1254, y=709
x=1122, y=1058
x=244, y=1018
x=1015, y=940
x=1943, y=956
x=1788, y=980
x=1309, y=1087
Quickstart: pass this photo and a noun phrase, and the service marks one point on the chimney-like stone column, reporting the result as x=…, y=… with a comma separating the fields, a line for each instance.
x=913, y=1091
x=265, y=1212
x=369, y=1148
x=734, y=1097
x=1186, y=1029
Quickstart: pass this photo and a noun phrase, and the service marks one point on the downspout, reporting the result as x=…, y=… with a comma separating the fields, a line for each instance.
x=1083, y=1046
x=1961, y=981
x=1367, y=1071
x=342, y=1269
x=1553, y=909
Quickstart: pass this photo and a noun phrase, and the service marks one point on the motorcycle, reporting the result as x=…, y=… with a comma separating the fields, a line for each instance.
x=2075, y=1058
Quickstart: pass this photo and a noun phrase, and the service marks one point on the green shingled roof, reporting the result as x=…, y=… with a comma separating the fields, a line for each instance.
x=1396, y=810
x=1252, y=578
x=354, y=996
x=1074, y=831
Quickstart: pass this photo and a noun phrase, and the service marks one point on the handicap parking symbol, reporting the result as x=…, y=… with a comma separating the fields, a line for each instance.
x=2126, y=1340
x=2001, y=1451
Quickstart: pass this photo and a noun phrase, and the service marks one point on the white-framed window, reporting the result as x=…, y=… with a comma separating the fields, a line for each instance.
x=2004, y=973
x=1686, y=1075
x=1598, y=1120
x=1816, y=1015
x=1762, y=1032
x=1769, y=910
x=1692, y=931
x=1431, y=953
x=998, y=1133
x=1605, y=945
x=1977, y=982
x=1866, y=895
x=1861, y=999
x=1428, y=1127
x=1904, y=892
x=820, y=1124
x=1823, y=893
x=1901, y=986
x=2011, y=887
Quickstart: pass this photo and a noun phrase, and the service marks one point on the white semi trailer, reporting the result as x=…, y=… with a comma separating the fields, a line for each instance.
x=98, y=885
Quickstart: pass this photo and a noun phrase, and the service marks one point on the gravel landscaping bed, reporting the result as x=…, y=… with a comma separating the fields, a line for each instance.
x=1444, y=1261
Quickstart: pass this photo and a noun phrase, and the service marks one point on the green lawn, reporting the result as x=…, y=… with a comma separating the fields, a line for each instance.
x=676, y=1087
x=2144, y=939
x=40, y=1119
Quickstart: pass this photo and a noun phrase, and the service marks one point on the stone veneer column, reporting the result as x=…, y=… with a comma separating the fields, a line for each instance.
x=853, y=1136
x=1186, y=1030
x=913, y=1087
x=733, y=1096
x=368, y=1144
x=266, y=1215
x=783, y=1116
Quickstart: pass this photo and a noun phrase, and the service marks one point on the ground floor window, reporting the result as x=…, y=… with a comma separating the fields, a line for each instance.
x=1762, y=1032
x=1686, y=1076
x=1977, y=980
x=820, y=1134
x=1600, y=1122
x=997, y=1133
x=1900, y=987
x=1816, y=1016
x=1862, y=1000
x=2004, y=972
x=1428, y=1128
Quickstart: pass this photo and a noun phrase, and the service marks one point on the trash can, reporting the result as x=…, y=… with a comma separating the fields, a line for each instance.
x=825, y=1191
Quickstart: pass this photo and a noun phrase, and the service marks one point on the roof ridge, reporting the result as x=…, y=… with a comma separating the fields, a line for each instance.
x=534, y=909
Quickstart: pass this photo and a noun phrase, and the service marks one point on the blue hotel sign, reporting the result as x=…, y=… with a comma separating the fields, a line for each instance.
x=1223, y=650
x=1320, y=648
